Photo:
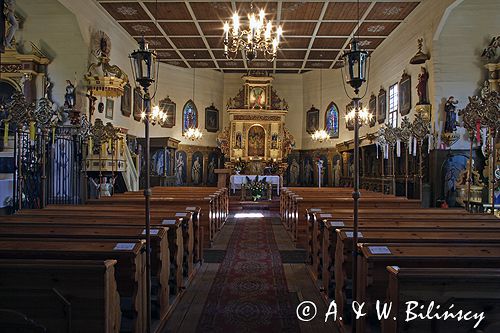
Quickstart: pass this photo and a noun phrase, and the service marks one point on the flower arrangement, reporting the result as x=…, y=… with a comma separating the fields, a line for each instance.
x=256, y=187
x=239, y=165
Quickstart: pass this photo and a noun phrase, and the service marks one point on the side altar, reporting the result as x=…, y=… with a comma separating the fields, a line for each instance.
x=256, y=135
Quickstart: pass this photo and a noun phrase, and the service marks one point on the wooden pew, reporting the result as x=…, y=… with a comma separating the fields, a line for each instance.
x=160, y=254
x=470, y=289
x=373, y=277
x=177, y=281
x=316, y=228
x=129, y=269
x=39, y=289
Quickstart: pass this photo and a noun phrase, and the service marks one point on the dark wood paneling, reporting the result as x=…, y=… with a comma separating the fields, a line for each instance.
x=301, y=10
x=179, y=28
x=336, y=28
x=169, y=10
x=345, y=10
x=329, y=43
x=188, y=43
x=141, y=28
x=391, y=10
x=125, y=11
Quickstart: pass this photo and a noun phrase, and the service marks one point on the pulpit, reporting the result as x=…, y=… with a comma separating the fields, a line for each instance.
x=222, y=176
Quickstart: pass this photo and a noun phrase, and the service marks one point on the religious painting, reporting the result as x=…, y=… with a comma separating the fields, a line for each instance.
x=212, y=119
x=168, y=106
x=189, y=116
x=213, y=160
x=197, y=168
x=257, y=98
x=256, y=141
x=308, y=168
x=138, y=103
x=332, y=120
x=372, y=109
x=293, y=170
x=110, y=104
x=126, y=101
x=349, y=124
x=382, y=106
x=180, y=167
x=312, y=120
x=405, y=94
x=324, y=176
x=336, y=170
x=158, y=163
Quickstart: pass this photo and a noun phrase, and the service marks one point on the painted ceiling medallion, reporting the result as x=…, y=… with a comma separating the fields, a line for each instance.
x=141, y=28
x=154, y=42
x=127, y=11
x=376, y=28
x=390, y=11
x=364, y=42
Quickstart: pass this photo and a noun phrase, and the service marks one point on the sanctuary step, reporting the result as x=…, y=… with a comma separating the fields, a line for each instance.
x=235, y=204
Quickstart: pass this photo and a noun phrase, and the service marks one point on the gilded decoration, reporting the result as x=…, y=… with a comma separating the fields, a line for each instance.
x=256, y=131
x=104, y=79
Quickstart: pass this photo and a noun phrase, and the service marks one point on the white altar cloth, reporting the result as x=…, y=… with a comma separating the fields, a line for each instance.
x=237, y=180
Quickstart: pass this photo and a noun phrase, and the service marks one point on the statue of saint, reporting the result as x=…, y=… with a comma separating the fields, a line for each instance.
x=11, y=18
x=450, y=125
x=308, y=173
x=196, y=171
x=423, y=77
x=294, y=172
x=70, y=96
x=179, y=170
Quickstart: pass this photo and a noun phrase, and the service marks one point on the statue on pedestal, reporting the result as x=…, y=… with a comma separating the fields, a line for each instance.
x=451, y=115
x=70, y=96
x=423, y=77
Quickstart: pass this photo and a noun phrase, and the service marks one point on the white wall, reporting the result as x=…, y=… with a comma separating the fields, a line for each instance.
x=458, y=67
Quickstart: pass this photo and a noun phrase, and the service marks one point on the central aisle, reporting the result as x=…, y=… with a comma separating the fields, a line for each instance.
x=249, y=293
x=244, y=285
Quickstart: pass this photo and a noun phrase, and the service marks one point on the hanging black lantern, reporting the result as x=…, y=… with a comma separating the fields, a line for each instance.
x=144, y=64
x=355, y=65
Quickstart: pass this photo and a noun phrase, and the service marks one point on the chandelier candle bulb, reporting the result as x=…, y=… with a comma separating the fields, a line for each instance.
x=398, y=148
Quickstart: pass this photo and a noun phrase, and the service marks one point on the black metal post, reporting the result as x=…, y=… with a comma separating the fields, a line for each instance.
x=469, y=172
x=147, y=197
x=492, y=173
x=355, y=196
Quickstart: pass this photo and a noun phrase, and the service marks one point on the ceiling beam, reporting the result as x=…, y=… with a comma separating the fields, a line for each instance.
x=315, y=32
x=164, y=34
x=362, y=19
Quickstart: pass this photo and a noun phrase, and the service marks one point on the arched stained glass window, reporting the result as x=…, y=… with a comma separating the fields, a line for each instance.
x=332, y=120
x=189, y=116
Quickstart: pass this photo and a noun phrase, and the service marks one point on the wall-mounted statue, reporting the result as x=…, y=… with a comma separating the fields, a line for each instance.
x=423, y=77
x=10, y=17
x=70, y=96
x=450, y=108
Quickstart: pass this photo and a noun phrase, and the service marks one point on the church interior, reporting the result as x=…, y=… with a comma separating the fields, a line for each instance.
x=239, y=166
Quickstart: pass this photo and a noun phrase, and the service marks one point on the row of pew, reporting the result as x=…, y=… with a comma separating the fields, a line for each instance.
x=406, y=253
x=81, y=268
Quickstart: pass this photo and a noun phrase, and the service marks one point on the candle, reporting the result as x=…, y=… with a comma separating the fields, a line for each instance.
x=398, y=148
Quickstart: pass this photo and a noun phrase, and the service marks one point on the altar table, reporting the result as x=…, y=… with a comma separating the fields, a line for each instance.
x=237, y=180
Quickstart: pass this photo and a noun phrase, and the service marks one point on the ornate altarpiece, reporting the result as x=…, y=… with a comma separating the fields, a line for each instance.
x=256, y=132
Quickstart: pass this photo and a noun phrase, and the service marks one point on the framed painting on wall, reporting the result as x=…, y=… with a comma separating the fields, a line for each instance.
x=168, y=106
x=405, y=94
x=382, y=105
x=110, y=104
x=138, y=102
x=372, y=108
x=126, y=101
x=312, y=120
x=212, y=119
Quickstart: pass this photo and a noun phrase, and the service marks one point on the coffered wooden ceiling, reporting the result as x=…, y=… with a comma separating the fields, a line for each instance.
x=189, y=33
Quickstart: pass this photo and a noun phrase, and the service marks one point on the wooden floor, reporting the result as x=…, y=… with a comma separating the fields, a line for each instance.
x=185, y=317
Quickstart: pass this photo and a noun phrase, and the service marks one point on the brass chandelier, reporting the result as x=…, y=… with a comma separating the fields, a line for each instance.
x=260, y=35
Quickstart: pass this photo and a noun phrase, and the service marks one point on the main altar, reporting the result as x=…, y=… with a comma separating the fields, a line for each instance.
x=256, y=141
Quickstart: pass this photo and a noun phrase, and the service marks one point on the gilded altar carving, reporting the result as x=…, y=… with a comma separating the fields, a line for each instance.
x=256, y=117
x=256, y=123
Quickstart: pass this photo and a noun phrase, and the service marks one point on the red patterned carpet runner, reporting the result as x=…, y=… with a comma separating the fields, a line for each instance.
x=249, y=293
